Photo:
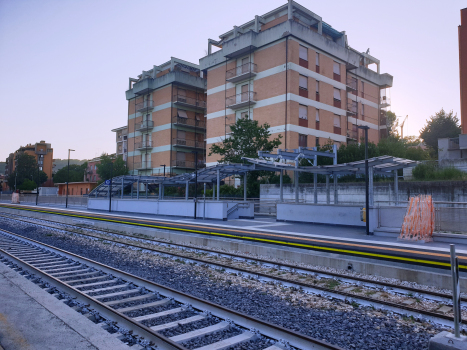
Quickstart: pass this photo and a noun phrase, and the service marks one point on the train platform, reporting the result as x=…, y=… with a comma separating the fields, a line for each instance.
x=31, y=318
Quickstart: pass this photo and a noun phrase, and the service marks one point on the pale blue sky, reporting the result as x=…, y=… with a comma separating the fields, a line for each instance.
x=64, y=65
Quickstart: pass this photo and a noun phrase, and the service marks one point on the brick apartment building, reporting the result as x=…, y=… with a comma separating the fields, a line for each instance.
x=166, y=119
x=121, y=135
x=463, y=68
x=286, y=67
x=41, y=151
x=294, y=71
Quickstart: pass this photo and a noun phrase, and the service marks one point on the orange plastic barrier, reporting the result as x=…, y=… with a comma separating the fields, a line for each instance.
x=419, y=222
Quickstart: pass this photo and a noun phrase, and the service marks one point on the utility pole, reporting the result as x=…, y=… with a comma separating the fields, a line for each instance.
x=367, y=181
x=196, y=177
x=68, y=177
x=110, y=191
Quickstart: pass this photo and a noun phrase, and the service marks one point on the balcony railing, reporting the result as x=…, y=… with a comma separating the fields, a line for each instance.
x=144, y=106
x=188, y=143
x=352, y=134
x=352, y=84
x=143, y=144
x=122, y=135
x=41, y=151
x=145, y=165
x=189, y=101
x=383, y=120
x=187, y=164
x=352, y=108
x=385, y=101
x=241, y=100
x=241, y=72
x=146, y=125
x=192, y=123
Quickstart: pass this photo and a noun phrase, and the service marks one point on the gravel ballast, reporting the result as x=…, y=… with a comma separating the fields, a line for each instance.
x=345, y=326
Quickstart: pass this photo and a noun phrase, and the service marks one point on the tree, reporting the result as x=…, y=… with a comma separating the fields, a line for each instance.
x=27, y=185
x=76, y=173
x=392, y=123
x=440, y=125
x=26, y=169
x=246, y=139
x=104, y=168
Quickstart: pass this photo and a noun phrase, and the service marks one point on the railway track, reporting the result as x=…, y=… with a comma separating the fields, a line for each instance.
x=161, y=316
x=191, y=254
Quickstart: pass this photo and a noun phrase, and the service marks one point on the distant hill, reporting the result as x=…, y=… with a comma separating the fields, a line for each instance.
x=61, y=163
x=2, y=167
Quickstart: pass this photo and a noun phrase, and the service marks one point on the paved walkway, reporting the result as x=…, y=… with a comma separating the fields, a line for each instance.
x=31, y=318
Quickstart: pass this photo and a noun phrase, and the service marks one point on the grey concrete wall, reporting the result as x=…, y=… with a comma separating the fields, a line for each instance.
x=214, y=209
x=354, y=193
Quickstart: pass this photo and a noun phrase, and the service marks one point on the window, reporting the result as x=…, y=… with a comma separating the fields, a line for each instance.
x=181, y=134
x=303, y=56
x=317, y=142
x=317, y=119
x=245, y=92
x=245, y=65
x=363, y=89
x=337, y=124
x=244, y=115
x=181, y=155
x=303, y=53
x=337, y=98
x=317, y=90
x=363, y=110
x=317, y=62
x=303, y=86
x=337, y=71
x=303, y=112
x=302, y=140
x=303, y=115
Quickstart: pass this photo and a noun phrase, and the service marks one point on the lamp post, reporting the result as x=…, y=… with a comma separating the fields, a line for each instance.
x=68, y=177
x=110, y=189
x=37, y=183
x=196, y=177
x=164, y=168
x=367, y=179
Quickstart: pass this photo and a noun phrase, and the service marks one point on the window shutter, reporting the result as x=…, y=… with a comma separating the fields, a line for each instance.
x=317, y=59
x=317, y=115
x=182, y=114
x=303, y=53
x=337, y=94
x=337, y=68
x=337, y=121
x=303, y=82
x=303, y=112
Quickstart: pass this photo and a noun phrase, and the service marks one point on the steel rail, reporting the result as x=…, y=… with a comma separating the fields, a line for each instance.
x=436, y=296
x=327, y=292
x=295, y=339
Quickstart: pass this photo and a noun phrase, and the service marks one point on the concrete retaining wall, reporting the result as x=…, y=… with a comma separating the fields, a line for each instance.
x=354, y=193
x=214, y=209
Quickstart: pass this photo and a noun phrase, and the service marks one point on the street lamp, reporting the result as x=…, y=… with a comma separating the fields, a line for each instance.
x=367, y=179
x=164, y=168
x=196, y=178
x=68, y=177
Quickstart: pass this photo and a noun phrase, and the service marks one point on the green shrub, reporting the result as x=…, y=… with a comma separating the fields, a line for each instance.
x=431, y=172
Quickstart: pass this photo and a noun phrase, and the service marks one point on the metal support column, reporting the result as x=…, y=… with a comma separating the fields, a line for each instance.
x=244, y=187
x=315, y=181
x=147, y=185
x=160, y=191
x=186, y=190
x=371, y=189
x=281, y=186
x=213, y=191
x=296, y=181
x=137, y=189
x=328, y=191
x=132, y=185
x=218, y=183
x=336, y=199
x=456, y=302
x=163, y=192
x=396, y=188
x=121, y=195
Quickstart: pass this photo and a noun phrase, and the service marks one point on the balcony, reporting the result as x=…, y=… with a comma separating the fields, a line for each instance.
x=352, y=134
x=145, y=165
x=143, y=145
x=188, y=143
x=241, y=100
x=121, y=137
x=189, y=123
x=145, y=126
x=384, y=102
x=245, y=71
x=188, y=164
x=352, y=108
x=189, y=102
x=144, y=106
x=41, y=151
x=352, y=85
